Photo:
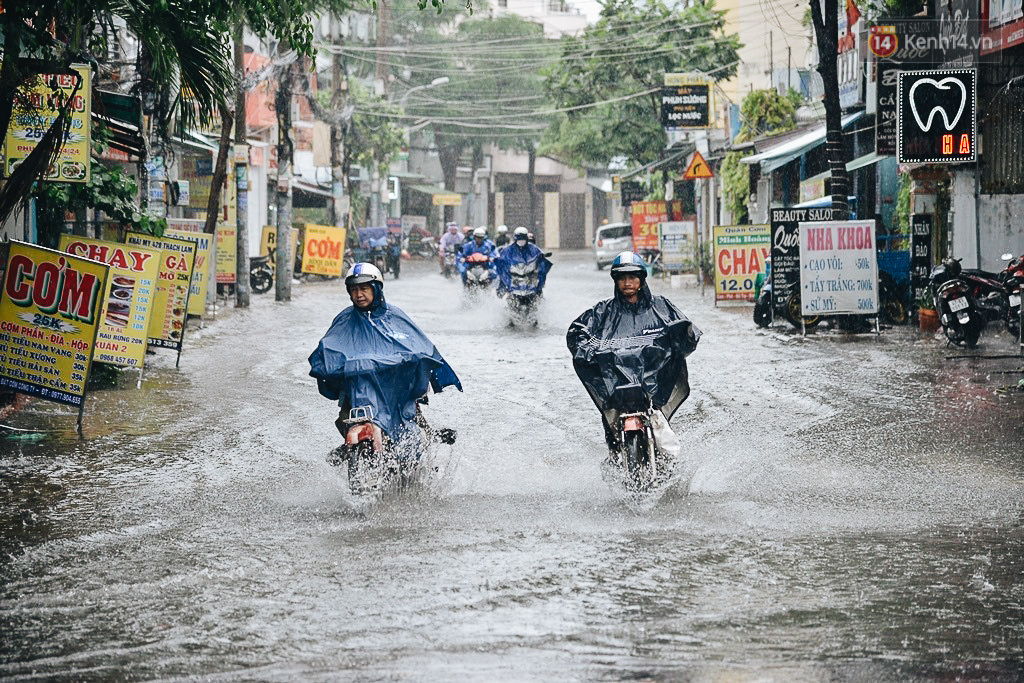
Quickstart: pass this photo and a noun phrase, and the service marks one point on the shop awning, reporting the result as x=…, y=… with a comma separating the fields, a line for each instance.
x=309, y=188
x=783, y=153
x=425, y=189
x=822, y=202
x=866, y=160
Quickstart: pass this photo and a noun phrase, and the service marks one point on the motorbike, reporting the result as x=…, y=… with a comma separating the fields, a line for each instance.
x=635, y=454
x=448, y=268
x=1012, y=278
x=385, y=254
x=521, y=285
x=988, y=291
x=763, y=296
x=961, y=320
x=478, y=273
x=374, y=462
x=261, y=273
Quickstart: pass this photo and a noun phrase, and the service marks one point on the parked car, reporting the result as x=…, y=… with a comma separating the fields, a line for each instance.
x=610, y=240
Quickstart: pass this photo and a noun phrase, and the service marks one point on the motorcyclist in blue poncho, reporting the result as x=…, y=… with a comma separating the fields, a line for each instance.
x=521, y=252
x=375, y=361
x=478, y=245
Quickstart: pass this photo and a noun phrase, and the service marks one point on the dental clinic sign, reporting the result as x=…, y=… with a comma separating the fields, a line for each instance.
x=936, y=116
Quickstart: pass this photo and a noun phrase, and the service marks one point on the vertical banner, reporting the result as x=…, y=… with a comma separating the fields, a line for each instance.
x=202, y=273
x=227, y=253
x=785, y=236
x=127, y=299
x=678, y=245
x=174, y=279
x=46, y=94
x=740, y=252
x=838, y=268
x=49, y=317
x=323, y=250
x=921, y=255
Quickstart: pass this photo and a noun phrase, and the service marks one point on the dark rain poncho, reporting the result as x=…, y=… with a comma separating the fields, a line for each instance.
x=522, y=269
x=646, y=343
x=379, y=358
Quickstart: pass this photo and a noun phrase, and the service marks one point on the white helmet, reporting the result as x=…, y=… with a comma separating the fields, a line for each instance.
x=480, y=232
x=502, y=228
x=521, y=233
x=362, y=273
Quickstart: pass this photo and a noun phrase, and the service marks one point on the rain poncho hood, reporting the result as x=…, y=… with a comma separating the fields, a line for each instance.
x=379, y=358
x=645, y=343
x=515, y=267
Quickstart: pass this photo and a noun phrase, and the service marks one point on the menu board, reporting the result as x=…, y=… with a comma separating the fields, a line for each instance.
x=49, y=317
x=838, y=268
x=170, y=303
x=740, y=252
x=785, y=236
x=124, y=318
x=227, y=254
x=202, y=274
x=323, y=250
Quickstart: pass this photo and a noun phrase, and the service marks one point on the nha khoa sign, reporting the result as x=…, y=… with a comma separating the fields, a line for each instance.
x=838, y=268
x=49, y=317
x=937, y=116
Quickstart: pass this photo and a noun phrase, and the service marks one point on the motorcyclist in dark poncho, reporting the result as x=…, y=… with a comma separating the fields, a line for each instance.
x=634, y=337
x=374, y=355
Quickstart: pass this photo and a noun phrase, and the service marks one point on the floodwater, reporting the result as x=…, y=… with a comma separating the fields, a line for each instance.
x=849, y=508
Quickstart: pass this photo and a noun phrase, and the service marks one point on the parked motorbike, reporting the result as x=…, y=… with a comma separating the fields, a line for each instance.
x=1012, y=278
x=891, y=306
x=988, y=292
x=376, y=464
x=261, y=273
x=385, y=255
x=961, y=320
x=478, y=275
x=763, y=296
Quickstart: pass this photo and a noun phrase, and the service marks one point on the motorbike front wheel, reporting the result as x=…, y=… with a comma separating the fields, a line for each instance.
x=894, y=312
x=763, y=310
x=261, y=281
x=636, y=450
x=792, y=313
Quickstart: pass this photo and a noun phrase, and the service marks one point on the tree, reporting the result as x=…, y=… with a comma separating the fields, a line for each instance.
x=826, y=31
x=606, y=82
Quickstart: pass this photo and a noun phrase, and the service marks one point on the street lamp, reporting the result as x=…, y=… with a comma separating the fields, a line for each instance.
x=441, y=80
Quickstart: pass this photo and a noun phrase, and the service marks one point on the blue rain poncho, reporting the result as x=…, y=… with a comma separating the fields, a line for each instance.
x=522, y=269
x=379, y=358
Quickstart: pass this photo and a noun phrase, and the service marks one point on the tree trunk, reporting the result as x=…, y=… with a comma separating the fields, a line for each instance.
x=448, y=154
x=531, y=189
x=826, y=30
x=285, y=150
x=220, y=171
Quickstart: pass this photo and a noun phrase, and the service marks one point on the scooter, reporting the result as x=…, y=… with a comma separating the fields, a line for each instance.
x=1012, y=278
x=763, y=296
x=478, y=273
x=261, y=273
x=448, y=268
x=635, y=455
x=523, y=293
x=961, y=320
x=376, y=464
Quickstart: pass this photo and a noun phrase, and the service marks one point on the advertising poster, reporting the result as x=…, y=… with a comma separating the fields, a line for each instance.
x=838, y=268
x=46, y=95
x=268, y=240
x=49, y=317
x=227, y=254
x=646, y=216
x=202, y=273
x=740, y=252
x=174, y=278
x=678, y=245
x=785, y=236
x=126, y=301
x=323, y=250
x=686, y=102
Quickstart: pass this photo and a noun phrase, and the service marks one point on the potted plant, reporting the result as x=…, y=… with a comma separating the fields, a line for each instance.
x=927, y=316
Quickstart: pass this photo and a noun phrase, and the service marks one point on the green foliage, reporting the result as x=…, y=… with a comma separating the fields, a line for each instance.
x=901, y=217
x=601, y=77
x=736, y=185
x=371, y=136
x=766, y=112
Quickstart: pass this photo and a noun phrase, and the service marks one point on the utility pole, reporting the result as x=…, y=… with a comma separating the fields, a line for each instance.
x=285, y=149
x=826, y=30
x=241, y=179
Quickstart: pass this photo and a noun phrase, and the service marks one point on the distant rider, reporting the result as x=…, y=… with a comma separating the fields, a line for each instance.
x=502, y=238
x=374, y=355
x=634, y=313
x=522, y=251
x=479, y=244
x=450, y=239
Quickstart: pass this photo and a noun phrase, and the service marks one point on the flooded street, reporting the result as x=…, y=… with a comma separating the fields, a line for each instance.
x=850, y=507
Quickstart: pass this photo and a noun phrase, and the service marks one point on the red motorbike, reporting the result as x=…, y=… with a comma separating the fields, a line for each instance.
x=1012, y=278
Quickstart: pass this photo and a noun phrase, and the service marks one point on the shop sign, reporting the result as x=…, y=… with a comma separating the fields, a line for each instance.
x=202, y=273
x=838, y=268
x=740, y=253
x=227, y=254
x=785, y=248
x=49, y=317
x=323, y=250
x=937, y=116
x=174, y=277
x=686, y=102
x=127, y=299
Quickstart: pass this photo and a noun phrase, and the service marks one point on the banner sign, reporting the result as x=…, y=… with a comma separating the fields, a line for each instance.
x=921, y=254
x=323, y=250
x=174, y=278
x=631, y=191
x=678, y=244
x=785, y=236
x=936, y=116
x=49, y=317
x=268, y=242
x=686, y=102
x=740, y=252
x=202, y=272
x=446, y=199
x=127, y=299
x=227, y=254
x=646, y=216
x=46, y=95
x=838, y=268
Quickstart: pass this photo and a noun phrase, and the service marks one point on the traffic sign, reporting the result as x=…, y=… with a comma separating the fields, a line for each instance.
x=698, y=168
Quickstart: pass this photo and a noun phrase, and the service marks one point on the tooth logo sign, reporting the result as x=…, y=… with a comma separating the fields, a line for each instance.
x=945, y=84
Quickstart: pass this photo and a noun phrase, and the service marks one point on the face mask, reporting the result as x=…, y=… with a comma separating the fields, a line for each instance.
x=521, y=243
